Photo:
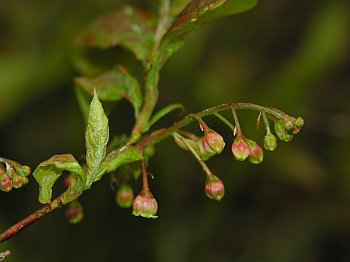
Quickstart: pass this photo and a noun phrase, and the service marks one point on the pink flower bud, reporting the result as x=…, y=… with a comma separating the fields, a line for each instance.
x=213, y=142
x=124, y=196
x=299, y=122
x=145, y=205
x=5, y=182
x=240, y=149
x=66, y=181
x=270, y=142
x=74, y=212
x=256, y=155
x=214, y=188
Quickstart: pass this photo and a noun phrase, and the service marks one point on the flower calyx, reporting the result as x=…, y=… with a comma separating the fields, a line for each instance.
x=74, y=212
x=256, y=154
x=214, y=187
x=240, y=148
x=145, y=205
x=212, y=142
x=124, y=196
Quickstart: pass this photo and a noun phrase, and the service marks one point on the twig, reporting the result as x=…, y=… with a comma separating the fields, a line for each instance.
x=16, y=228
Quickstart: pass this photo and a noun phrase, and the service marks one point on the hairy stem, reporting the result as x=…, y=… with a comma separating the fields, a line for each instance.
x=164, y=133
x=238, y=126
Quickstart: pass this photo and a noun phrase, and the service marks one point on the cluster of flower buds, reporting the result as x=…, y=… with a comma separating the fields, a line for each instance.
x=286, y=128
x=13, y=175
x=74, y=212
x=243, y=148
x=212, y=143
x=145, y=205
x=214, y=187
x=124, y=196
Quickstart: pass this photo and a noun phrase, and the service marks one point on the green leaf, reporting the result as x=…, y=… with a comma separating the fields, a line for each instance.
x=128, y=27
x=194, y=15
x=164, y=111
x=111, y=86
x=198, y=12
x=49, y=171
x=117, y=158
x=75, y=189
x=96, y=138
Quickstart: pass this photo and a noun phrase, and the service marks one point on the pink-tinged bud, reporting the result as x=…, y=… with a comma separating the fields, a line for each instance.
x=288, y=125
x=282, y=133
x=214, y=188
x=145, y=205
x=5, y=182
x=124, y=196
x=17, y=180
x=270, y=142
x=295, y=130
x=74, y=212
x=66, y=182
x=213, y=142
x=299, y=122
x=256, y=155
x=240, y=149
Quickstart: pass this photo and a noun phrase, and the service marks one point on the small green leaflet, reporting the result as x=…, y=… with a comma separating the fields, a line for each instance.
x=117, y=158
x=96, y=139
x=127, y=27
x=163, y=112
x=49, y=171
x=111, y=86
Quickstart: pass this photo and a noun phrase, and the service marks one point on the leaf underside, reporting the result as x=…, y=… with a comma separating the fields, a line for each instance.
x=49, y=171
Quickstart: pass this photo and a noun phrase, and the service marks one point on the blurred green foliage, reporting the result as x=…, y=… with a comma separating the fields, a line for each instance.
x=293, y=55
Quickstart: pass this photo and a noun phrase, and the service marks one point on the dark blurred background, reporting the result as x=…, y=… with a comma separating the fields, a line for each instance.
x=293, y=55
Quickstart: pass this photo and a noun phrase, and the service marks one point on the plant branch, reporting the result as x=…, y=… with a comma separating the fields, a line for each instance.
x=151, y=76
x=16, y=228
x=153, y=139
x=156, y=138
